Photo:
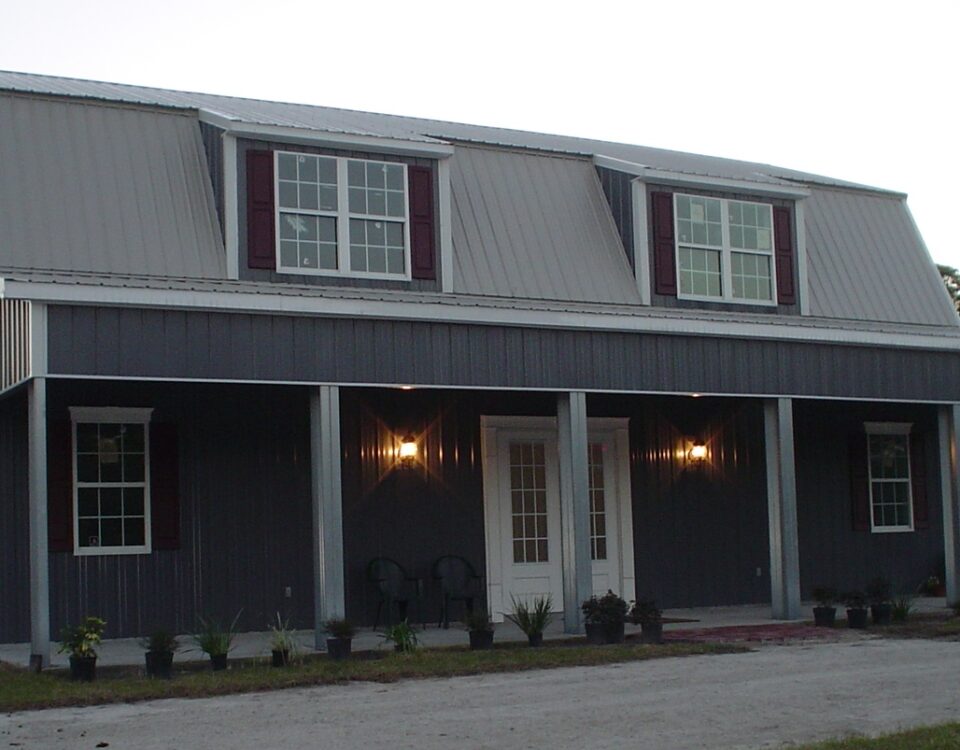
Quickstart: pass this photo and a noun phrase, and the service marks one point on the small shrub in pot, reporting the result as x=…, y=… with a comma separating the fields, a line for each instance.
x=880, y=593
x=215, y=641
x=160, y=647
x=480, y=629
x=532, y=618
x=603, y=618
x=80, y=642
x=283, y=643
x=403, y=636
x=856, y=609
x=824, y=614
x=340, y=642
x=648, y=615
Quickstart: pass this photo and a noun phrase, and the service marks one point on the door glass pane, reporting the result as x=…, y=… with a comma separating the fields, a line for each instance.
x=598, y=518
x=528, y=502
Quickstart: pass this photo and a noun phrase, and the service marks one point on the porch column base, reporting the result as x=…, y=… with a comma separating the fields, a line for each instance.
x=574, y=506
x=39, y=559
x=328, y=585
x=949, y=430
x=782, y=509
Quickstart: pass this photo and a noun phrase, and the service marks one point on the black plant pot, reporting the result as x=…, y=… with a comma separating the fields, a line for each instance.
x=218, y=662
x=159, y=663
x=882, y=613
x=535, y=639
x=857, y=618
x=824, y=617
x=279, y=657
x=596, y=633
x=83, y=668
x=613, y=632
x=339, y=648
x=651, y=632
x=481, y=640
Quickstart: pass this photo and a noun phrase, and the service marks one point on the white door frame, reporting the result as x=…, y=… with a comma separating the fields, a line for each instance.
x=491, y=429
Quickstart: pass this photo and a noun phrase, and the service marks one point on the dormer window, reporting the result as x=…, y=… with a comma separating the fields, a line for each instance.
x=725, y=249
x=341, y=216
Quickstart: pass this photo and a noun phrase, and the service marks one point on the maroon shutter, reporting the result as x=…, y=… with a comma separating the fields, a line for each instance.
x=664, y=246
x=261, y=235
x=164, y=486
x=783, y=239
x=859, y=482
x=918, y=482
x=422, y=260
x=60, y=487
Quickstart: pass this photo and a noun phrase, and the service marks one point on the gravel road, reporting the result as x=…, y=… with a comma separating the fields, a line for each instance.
x=774, y=695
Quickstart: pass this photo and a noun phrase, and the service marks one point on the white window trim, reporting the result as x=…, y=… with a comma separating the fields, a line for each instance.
x=111, y=414
x=343, y=217
x=890, y=428
x=726, y=251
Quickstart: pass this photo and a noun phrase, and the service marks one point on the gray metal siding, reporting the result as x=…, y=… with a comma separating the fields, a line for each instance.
x=534, y=226
x=213, y=147
x=245, y=515
x=831, y=552
x=272, y=277
x=14, y=521
x=105, y=189
x=223, y=346
x=618, y=189
x=867, y=262
x=14, y=342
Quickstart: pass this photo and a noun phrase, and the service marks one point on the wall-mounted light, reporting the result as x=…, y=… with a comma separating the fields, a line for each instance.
x=407, y=453
x=697, y=452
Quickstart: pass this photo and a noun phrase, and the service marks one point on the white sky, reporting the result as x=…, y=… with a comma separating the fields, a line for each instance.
x=862, y=91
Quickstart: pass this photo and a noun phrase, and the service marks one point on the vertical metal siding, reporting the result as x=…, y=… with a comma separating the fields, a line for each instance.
x=15, y=342
x=618, y=189
x=14, y=522
x=212, y=138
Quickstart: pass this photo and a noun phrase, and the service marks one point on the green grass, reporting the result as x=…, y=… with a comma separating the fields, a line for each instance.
x=21, y=690
x=942, y=737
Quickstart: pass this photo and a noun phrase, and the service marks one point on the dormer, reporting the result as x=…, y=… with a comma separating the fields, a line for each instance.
x=711, y=243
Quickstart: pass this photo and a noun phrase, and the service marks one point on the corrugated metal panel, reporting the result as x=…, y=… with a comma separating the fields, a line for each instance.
x=534, y=227
x=112, y=189
x=222, y=346
x=14, y=342
x=14, y=521
x=334, y=120
x=866, y=261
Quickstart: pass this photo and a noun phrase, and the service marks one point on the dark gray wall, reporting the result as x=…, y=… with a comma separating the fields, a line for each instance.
x=831, y=552
x=245, y=514
x=14, y=520
x=700, y=531
x=243, y=145
x=619, y=193
x=213, y=147
x=211, y=345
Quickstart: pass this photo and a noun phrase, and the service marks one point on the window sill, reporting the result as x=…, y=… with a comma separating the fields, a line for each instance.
x=344, y=274
x=727, y=301
x=891, y=529
x=110, y=551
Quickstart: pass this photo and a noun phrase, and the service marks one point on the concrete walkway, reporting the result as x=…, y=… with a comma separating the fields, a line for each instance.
x=127, y=651
x=760, y=699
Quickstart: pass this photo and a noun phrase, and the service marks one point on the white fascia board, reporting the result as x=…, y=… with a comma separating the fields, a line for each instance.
x=704, y=182
x=445, y=312
x=306, y=137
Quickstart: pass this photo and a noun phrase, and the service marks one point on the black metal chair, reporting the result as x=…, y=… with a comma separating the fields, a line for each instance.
x=458, y=582
x=395, y=588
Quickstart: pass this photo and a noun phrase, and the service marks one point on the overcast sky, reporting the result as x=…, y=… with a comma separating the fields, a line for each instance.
x=863, y=91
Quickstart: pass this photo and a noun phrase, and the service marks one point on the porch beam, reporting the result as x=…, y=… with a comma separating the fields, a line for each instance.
x=328, y=586
x=39, y=559
x=949, y=430
x=574, y=506
x=782, y=509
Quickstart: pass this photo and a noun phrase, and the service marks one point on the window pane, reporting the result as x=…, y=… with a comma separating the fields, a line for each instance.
x=88, y=468
x=133, y=501
x=87, y=438
x=133, y=467
x=287, y=166
x=88, y=532
x=111, y=502
x=111, y=532
x=88, y=501
x=133, y=532
x=110, y=467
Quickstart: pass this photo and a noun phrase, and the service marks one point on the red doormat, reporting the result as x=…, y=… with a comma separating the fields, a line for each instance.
x=751, y=633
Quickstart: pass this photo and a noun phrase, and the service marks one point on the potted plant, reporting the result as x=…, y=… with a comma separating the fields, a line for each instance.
x=824, y=614
x=880, y=593
x=532, y=618
x=856, y=609
x=283, y=643
x=932, y=586
x=402, y=636
x=480, y=629
x=215, y=641
x=80, y=642
x=648, y=615
x=160, y=646
x=341, y=638
x=604, y=617
x=902, y=607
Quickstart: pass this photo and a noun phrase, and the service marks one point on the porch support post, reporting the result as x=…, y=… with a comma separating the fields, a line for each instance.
x=782, y=509
x=328, y=588
x=39, y=559
x=574, y=506
x=949, y=430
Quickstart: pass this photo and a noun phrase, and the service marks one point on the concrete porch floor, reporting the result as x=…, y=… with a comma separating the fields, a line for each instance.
x=127, y=651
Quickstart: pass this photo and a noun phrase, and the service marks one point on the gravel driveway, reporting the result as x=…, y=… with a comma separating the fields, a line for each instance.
x=760, y=699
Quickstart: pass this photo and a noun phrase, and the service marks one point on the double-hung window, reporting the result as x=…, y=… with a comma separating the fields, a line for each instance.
x=111, y=471
x=891, y=497
x=725, y=249
x=342, y=216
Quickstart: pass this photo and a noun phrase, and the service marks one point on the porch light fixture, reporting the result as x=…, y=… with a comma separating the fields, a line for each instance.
x=407, y=455
x=697, y=452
